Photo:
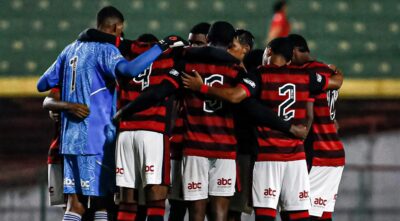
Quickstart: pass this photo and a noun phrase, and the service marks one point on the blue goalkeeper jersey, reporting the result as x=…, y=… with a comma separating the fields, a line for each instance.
x=86, y=71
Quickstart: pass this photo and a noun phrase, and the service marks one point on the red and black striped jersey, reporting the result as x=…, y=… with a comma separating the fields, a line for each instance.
x=208, y=123
x=155, y=118
x=54, y=156
x=286, y=90
x=323, y=144
x=176, y=141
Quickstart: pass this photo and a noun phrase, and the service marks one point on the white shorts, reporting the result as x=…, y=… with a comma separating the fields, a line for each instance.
x=142, y=158
x=56, y=185
x=324, y=185
x=240, y=202
x=176, y=192
x=283, y=183
x=204, y=176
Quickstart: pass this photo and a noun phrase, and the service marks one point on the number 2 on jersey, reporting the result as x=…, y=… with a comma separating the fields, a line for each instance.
x=288, y=90
x=73, y=62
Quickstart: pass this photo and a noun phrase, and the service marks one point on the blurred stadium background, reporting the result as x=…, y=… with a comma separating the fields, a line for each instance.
x=361, y=37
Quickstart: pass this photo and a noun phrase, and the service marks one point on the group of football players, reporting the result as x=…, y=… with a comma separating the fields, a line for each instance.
x=211, y=124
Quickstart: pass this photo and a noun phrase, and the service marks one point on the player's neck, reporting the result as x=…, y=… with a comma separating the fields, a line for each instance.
x=277, y=61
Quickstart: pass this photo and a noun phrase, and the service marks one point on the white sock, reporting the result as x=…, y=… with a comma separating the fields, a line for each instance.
x=71, y=216
x=100, y=216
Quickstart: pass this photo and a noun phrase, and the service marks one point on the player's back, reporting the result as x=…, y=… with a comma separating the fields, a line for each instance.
x=209, y=122
x=286, y=91
x=155, y=118
x=323, y=144
x=88, y=70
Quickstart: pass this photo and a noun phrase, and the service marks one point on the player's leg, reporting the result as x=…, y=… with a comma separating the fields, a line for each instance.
x=155, y=201
x=267, y=183
x=97, y=180
x=156, y=176
x=75, y=209
x=222, y=176
x=177, y=210
x=219, y=207
x=142, y=208
x=178, y=207
x=195, y=185
x=128, y=206
x=127, y=176
x=240, y=202
x=324, y=185
x=295, y=201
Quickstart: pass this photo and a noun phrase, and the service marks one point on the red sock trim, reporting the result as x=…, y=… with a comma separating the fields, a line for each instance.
x=155, y=211
x=126, y=216
x=265, y=212
x=326, y=215
x=299, y=215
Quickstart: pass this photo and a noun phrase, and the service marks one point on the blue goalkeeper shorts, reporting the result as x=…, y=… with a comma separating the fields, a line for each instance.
x=89, y=175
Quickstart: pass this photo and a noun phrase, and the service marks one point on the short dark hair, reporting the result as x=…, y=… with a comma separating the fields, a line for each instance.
x=148, y=38
x=221, y=33
x=282, y=46
x=245, y=37
x=299, y=41
x=201, y=28
x=278, y=5
x=253, y=59
x=108, y=12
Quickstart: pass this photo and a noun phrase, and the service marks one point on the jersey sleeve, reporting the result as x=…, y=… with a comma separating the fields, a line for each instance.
x=248, y=82
x=108, y=60
x=53, y=74
x=318, y=83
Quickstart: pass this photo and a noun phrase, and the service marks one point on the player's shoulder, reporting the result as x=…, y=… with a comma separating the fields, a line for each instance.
x=318, y=67
x=210, y=54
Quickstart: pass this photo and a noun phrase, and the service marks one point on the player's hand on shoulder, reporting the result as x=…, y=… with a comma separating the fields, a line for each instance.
x=299, y=131
x=192, y=81
x=172, y=41
x=80, y=111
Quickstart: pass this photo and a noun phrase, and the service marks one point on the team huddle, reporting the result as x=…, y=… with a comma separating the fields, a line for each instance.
x=209, y=123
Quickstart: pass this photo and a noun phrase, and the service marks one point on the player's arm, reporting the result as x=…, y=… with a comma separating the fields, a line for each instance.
x=143, y=61
x=146, y=99
x=52, y=103
x=336, y=79
x=261, y=115
x=231, y=94
x=151, y=96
